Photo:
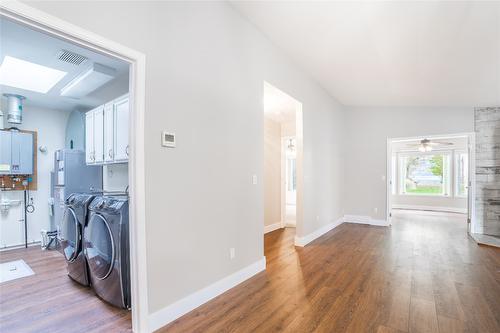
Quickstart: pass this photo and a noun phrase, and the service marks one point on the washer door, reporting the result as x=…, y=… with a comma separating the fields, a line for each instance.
x=99, y=247
x=70, y=234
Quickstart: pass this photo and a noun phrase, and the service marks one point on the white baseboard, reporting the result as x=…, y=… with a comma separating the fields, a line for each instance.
x=432, y=208
x=272, y=227
x=364, y=220
x=303, y=241
x=178, y=309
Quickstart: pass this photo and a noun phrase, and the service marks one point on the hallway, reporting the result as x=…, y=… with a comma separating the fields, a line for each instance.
x=423, y=274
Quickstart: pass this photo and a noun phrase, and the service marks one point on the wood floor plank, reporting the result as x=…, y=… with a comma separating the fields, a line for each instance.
x=50, y=301
x=423, y=318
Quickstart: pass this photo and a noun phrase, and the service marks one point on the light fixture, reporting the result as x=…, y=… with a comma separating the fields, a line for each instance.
x=291, y=145
x=425, y=146
x=93, y=78
x=26, y=75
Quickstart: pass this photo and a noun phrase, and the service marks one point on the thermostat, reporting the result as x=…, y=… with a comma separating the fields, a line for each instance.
x=168, y=139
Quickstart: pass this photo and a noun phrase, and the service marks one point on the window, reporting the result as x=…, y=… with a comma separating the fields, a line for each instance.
x=461, y=174
x=425, y=174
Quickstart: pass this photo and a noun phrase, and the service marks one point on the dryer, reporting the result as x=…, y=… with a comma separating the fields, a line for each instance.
x=106, y=246
x=72, y=229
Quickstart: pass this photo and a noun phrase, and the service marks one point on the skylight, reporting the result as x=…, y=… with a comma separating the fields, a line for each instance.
x=29, y=76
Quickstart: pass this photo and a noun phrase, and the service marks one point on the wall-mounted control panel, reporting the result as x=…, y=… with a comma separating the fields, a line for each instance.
x=16, y=153
x=168, y=139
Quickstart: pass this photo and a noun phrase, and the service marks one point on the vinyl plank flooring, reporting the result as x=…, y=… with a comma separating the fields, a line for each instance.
x=50, y=301
x=423, y=274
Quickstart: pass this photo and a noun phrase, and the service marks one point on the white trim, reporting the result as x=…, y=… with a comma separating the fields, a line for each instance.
x=431, y=208
x=272, y=227
x=361, y=219
x=178, y=309
x=52, y=25
x=303, y=241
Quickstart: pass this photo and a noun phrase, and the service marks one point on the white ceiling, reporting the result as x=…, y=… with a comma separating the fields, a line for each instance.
x=24, y=43
x=278, y=106
x=390, y=53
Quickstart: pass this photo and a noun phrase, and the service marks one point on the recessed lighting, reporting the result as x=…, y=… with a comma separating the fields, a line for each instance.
x=29, y=76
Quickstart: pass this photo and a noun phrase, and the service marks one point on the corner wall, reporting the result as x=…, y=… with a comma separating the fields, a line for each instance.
x=206, y=65
x=487, y=127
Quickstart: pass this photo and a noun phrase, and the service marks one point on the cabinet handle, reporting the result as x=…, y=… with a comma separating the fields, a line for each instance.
x=126, y=150
x=110, y=153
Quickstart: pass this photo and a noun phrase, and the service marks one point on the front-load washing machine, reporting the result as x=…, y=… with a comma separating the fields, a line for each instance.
x=106, y=244
x=72, y=229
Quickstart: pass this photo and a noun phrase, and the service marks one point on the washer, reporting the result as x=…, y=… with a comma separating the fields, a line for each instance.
x=72, y=228
x=106, y=244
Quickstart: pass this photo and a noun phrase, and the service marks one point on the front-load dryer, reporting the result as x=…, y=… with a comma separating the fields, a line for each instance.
x=72, y=229
x=106, y=244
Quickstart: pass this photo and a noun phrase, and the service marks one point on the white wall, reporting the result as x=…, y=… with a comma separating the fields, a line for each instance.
x=205, y=70
x=272, y=172
x=367, y=131
x=51, y=127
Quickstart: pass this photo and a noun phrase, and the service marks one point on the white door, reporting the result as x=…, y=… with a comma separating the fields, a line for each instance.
x=99, y=134
x=121, y=129
x=108, y=132
x=470, y=192
x=291, y=180
x=89, y=137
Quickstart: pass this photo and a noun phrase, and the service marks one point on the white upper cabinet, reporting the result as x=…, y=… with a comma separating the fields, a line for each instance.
x=109, y=153
x=99, y=135
x=89, y=137
x=107, y=133
x=121, y=147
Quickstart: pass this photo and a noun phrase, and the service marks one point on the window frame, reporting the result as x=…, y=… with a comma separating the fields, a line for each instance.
x=448, y=173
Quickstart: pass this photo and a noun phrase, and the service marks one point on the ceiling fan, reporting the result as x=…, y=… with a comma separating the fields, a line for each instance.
x=427, y=145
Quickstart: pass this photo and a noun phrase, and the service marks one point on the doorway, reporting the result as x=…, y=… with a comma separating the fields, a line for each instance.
x=432, y=174
x=282, y=160
x=38, y=21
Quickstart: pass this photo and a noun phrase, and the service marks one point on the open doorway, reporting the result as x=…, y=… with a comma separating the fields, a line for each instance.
x=64, y=170
x=282, y=160
x=432, y=174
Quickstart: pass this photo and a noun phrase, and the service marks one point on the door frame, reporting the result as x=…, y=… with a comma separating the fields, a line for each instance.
x=471, y=137
x=41, y=21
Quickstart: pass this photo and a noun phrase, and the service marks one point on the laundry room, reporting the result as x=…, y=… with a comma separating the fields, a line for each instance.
x=64, y=195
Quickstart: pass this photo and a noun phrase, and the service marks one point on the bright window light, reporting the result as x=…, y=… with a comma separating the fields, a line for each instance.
x=29, y=76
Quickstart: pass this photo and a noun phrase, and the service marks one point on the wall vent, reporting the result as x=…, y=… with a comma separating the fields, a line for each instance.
x=71, y=57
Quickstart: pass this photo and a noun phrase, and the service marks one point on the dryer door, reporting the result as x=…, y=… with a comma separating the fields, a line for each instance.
x=99, y=247
x=70, y=234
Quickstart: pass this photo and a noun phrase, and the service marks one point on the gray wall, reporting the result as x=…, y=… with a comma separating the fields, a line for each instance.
x=367, y=131
x=205, y=71
x=487, y=127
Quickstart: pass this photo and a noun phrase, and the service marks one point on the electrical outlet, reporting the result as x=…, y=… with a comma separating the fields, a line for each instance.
x=232, y=253
x=254, y=179
x=317, y=217
x=375, y=210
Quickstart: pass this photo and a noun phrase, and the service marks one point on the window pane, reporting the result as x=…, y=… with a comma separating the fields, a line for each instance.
x=424, y=174
x=462, y=171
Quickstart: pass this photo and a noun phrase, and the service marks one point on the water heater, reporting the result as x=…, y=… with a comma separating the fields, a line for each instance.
x=16, y=153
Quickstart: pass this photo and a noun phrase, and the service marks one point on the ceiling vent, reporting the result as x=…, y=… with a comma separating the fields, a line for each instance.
x=71, y=57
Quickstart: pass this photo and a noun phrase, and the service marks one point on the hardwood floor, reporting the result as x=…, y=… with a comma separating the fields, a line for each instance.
x=50, y=301
x=423, y=274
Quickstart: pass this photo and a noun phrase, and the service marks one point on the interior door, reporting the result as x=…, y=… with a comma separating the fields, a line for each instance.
x=470, y=192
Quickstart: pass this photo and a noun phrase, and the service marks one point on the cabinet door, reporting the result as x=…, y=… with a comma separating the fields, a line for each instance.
x=89, y=137
x=99, y=134
x=108, y=133
x=121, y=107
